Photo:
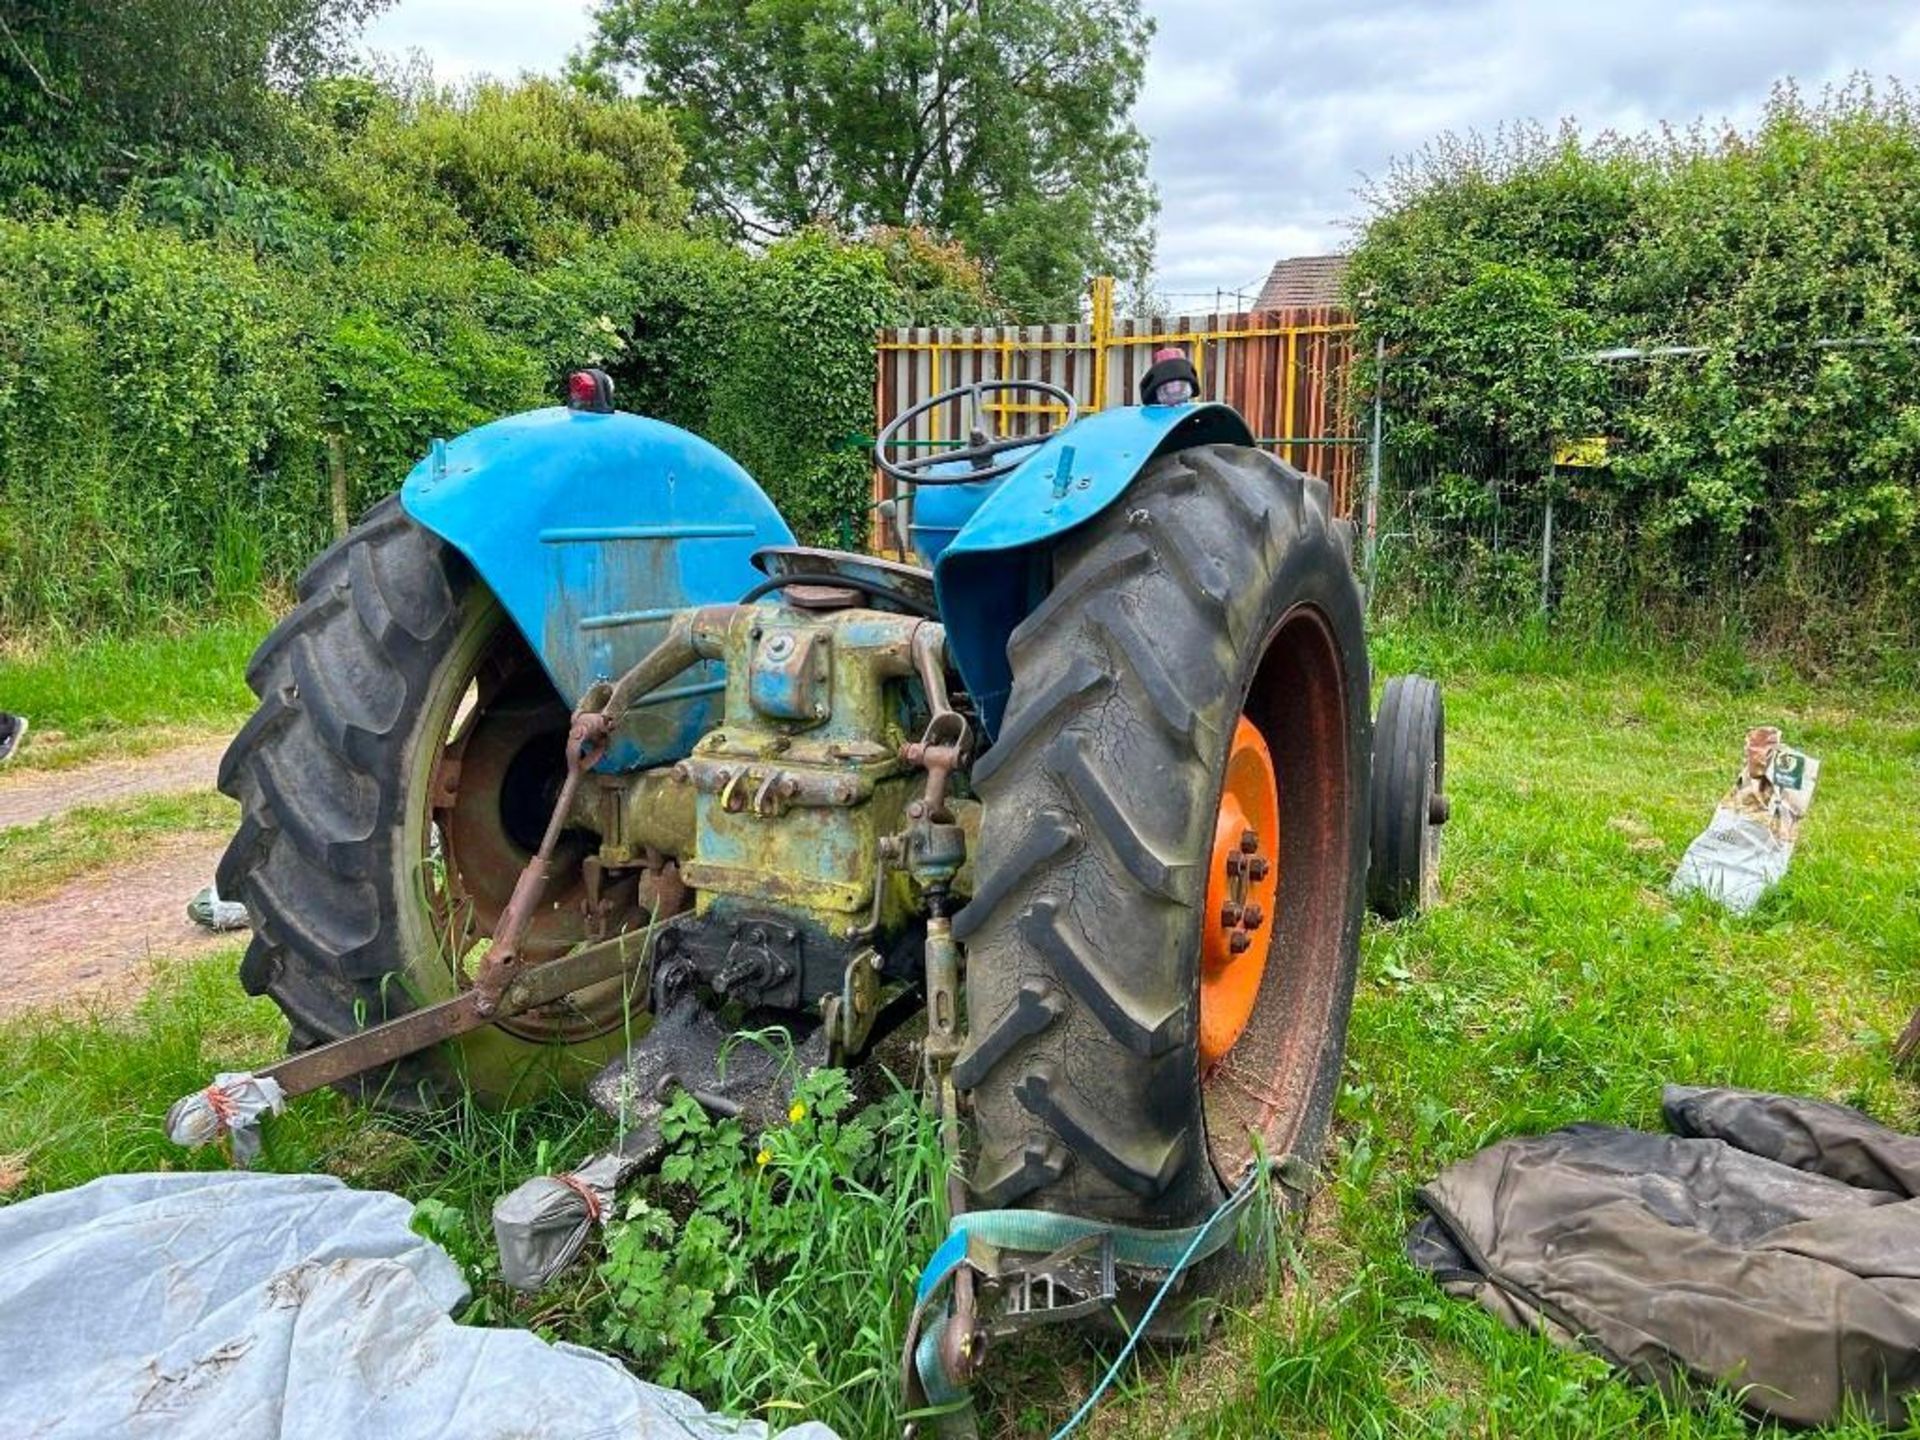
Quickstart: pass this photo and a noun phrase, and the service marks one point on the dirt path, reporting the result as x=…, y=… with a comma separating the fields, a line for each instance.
x=95, y=939
x=30, y=796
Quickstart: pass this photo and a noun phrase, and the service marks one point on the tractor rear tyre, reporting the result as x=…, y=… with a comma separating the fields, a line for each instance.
x=1172, y=861
x=395, y=777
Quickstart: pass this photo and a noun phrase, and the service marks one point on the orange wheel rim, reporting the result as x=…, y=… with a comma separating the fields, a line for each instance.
x=1243, y=885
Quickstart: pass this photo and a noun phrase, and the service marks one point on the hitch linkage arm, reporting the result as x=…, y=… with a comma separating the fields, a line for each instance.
x=693, y=635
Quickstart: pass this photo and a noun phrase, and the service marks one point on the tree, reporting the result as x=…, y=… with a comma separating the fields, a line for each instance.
x=91, y=90
x=1005, y=124
x=534, y=169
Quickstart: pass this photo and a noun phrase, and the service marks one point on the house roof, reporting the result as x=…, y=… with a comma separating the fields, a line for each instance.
x=1301, y=281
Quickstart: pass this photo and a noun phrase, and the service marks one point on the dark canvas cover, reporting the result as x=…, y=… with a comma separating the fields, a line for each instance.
x=1770, y=1243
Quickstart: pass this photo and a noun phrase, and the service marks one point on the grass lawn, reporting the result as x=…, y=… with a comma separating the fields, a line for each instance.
x=128, y=696
x=1557, y=983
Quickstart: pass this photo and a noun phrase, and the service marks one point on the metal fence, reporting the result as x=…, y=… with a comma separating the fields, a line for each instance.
x=1545, y=527
x=1557, y=526
x=1285, y=371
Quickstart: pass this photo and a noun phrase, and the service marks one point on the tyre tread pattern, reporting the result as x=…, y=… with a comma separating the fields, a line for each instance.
x=320, y=773
x=1407, y=755
x=1082, y=1071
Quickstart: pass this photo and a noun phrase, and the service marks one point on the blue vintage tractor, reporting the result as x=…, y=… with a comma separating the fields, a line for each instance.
x=570, y=765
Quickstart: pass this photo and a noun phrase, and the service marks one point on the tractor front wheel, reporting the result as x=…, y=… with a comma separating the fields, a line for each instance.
x=1173, y=853
x=394, y=780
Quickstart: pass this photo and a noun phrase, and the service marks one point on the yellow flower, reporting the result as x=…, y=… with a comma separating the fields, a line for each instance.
x=797, y=1113
x=765, y=1157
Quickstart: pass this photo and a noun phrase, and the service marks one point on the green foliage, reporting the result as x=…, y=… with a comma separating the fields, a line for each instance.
x=534, y=170
x=800, y=371
x=1775, y=473
x=1011, y=131
x=82, y=697
x=778, y=1271
x=91, y=94
x=145, y=397
x=1556, y=983
x=173, y=373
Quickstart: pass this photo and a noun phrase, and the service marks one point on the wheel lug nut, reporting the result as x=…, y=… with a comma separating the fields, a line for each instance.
x=1249, y=841
x=1230, y=914
x=1239, y=942
x=1258, y=867
x=1253, y=917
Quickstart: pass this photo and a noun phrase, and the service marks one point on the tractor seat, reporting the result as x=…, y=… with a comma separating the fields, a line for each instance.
x=822, y=578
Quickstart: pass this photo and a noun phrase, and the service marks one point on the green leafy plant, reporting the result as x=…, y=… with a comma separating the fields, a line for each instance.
x=177, y=375
x=779, y=1267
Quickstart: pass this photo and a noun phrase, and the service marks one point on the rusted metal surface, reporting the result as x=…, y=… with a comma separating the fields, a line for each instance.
x=962, y=1343
x=586, y=743
x=1259, y=1092
x=795, y=791
x=494, y=789
x=490, y=795
x=633, y=814
x=790, y=672
x=947, y=743
x=692, y=635
x=908, y=581
x=813, y=596
x=849, y=1017
x=421, y=1029
x=791, y=809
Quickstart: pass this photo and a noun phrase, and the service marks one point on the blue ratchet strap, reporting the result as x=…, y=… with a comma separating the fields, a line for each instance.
x=1043, y=1232
x=947, y=1259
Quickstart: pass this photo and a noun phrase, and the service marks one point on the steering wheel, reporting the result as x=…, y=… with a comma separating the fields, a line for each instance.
x=982, y=444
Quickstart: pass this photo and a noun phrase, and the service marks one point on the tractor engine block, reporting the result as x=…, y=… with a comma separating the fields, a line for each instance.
x=796, y=800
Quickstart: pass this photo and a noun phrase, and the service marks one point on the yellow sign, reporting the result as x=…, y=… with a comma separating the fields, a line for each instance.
x=1587, y=453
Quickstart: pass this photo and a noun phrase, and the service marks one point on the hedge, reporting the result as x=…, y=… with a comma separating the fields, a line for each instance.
x=166, y=400
x=1770, y=474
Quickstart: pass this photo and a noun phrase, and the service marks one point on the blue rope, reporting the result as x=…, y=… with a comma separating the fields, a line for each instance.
x=1232, y=1203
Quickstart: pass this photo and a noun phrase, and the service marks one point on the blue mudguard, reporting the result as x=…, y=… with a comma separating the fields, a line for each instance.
x=592, y=530
x=999, y=567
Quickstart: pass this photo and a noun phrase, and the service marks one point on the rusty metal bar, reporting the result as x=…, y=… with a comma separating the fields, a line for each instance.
x=431, y=1025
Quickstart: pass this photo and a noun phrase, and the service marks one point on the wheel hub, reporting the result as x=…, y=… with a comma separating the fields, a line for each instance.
x=491, y=793
x=1243, y=883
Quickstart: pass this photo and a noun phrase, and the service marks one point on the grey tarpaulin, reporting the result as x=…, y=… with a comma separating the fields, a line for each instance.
x=1771, y=1243
x=231, y=1306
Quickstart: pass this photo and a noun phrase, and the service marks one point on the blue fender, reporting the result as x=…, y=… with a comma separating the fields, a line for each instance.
x=592, y=530
x=998, y=568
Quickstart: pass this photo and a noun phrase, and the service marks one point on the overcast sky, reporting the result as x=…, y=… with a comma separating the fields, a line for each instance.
x=1266, y=114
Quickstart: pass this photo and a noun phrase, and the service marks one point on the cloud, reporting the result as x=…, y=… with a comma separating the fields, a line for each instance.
x=1265, y=117
x=1266, y=114
x=464, y=39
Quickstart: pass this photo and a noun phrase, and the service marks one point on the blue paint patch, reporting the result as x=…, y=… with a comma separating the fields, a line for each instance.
x=941, y=512
x=593, y=530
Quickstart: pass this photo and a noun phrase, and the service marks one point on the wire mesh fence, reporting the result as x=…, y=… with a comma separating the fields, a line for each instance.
x=1654, y=509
